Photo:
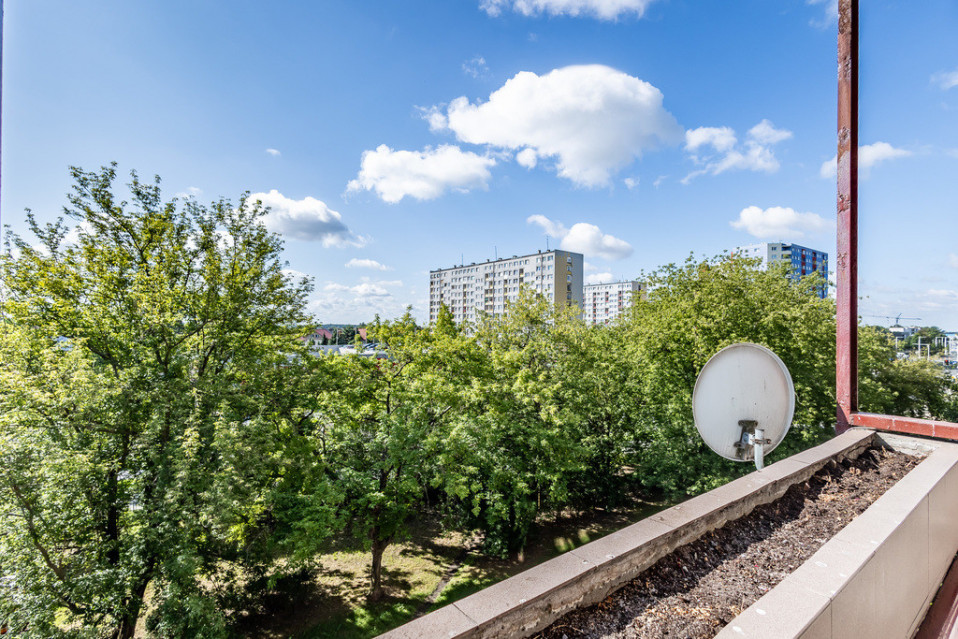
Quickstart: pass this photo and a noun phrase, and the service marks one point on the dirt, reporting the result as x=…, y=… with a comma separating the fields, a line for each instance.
x=698, y=589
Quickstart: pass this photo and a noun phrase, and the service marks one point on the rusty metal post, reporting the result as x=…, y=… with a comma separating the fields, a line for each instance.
x=846, y=354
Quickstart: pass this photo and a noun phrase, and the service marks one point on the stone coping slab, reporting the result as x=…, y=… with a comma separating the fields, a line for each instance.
x=531, y=600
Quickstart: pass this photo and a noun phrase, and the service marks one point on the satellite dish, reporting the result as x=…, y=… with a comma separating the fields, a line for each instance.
x=743, y=402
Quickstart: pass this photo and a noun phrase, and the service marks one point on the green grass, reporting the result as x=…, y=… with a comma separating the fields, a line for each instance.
x=337, y=608
x=366, y=621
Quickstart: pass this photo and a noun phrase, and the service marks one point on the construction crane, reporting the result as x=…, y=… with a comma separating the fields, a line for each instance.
x=897, y=318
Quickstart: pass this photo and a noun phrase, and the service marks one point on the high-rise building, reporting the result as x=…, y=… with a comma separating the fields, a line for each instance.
x=602, y=303
x=492, y=285
x=801, y=259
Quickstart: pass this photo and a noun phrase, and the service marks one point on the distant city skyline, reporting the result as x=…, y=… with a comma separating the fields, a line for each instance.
x=390, y=139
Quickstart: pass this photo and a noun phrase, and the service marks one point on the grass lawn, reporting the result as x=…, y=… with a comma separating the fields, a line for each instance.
x=332, y=605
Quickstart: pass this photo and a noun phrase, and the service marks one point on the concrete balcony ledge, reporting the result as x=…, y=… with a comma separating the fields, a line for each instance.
x=876, y=577
x=530, y=601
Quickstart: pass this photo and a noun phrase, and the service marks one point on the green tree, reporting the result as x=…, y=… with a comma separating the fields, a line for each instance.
x=691, y=312
x=143, y=367
x=929, y=337
x=908, y=387
x=385, y=421
x=517, y=443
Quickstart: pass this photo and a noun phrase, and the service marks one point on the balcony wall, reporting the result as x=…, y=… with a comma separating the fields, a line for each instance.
x=531, y=600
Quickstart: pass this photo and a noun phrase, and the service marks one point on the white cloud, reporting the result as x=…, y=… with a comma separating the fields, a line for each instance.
x=778, y=222
x=588, y=267
x=552, y=229
x=584, y=238
x=946, y=79
x=423, y=175
x=868, y=156
x=716, y=149
x=360, y=302
x=309, y=220
x=765, y=133
x=659, y=180
x=475, y=67
x=527, y=158
x=592, y=119
x=370, y=264
x=831, y=12
x=719, y=138
x=434, y=116
x=599, y=278
x=946, y=295
x=602, y=9
x=630, y=183
x=273, y=152
x=953, y=260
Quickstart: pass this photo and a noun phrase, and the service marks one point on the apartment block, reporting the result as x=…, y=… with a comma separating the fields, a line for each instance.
x=492, y=285
x=605, y=302
x=802, y=260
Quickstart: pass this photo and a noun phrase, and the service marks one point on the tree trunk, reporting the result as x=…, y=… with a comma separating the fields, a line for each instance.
x=126, y=626
x=376, y=590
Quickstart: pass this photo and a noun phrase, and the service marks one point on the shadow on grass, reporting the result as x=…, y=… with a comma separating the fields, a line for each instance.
x=366, y=621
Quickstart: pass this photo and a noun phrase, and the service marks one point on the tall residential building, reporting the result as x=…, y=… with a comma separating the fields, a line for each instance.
x=490, y=286
x=803, y=260
x=605, y=302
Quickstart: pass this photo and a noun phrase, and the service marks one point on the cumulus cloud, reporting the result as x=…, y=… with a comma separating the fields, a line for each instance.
x=309, y=220
x=719, y=138
x=475, y=67
x=599, y=278
x=630, y=183
x=583, y=238
x=765, y=133
x=360, y=302
x=273, y=152
x=423, y=175
x=591, y=119
x=716, y=149
x=527, y=158
x=370, y=264
x=946, y=79
x=778, y=222
x=602, y=9
x=869, y=155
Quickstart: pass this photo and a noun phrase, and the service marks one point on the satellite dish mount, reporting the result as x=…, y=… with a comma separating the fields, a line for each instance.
x=743, y=402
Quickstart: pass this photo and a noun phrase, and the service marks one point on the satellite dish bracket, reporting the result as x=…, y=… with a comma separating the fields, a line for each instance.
x=752, y=441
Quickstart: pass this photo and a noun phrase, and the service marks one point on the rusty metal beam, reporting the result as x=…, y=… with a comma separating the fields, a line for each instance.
x=907, y=425
x=846, y=353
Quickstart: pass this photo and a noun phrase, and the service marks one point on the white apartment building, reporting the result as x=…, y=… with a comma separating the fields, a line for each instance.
x=603, y=303
x=802, y=260
x=491, y=286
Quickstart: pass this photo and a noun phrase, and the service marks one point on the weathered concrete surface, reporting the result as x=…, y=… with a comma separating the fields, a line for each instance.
x=530, y=601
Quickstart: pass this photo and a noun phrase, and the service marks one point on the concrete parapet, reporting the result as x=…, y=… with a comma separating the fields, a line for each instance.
x=530, y=601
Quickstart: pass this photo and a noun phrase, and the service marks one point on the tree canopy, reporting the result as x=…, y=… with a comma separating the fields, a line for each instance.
x=171, y=446
x=143, y=395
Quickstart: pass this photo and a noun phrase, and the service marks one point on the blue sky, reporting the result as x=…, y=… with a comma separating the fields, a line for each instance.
x=391, y=138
